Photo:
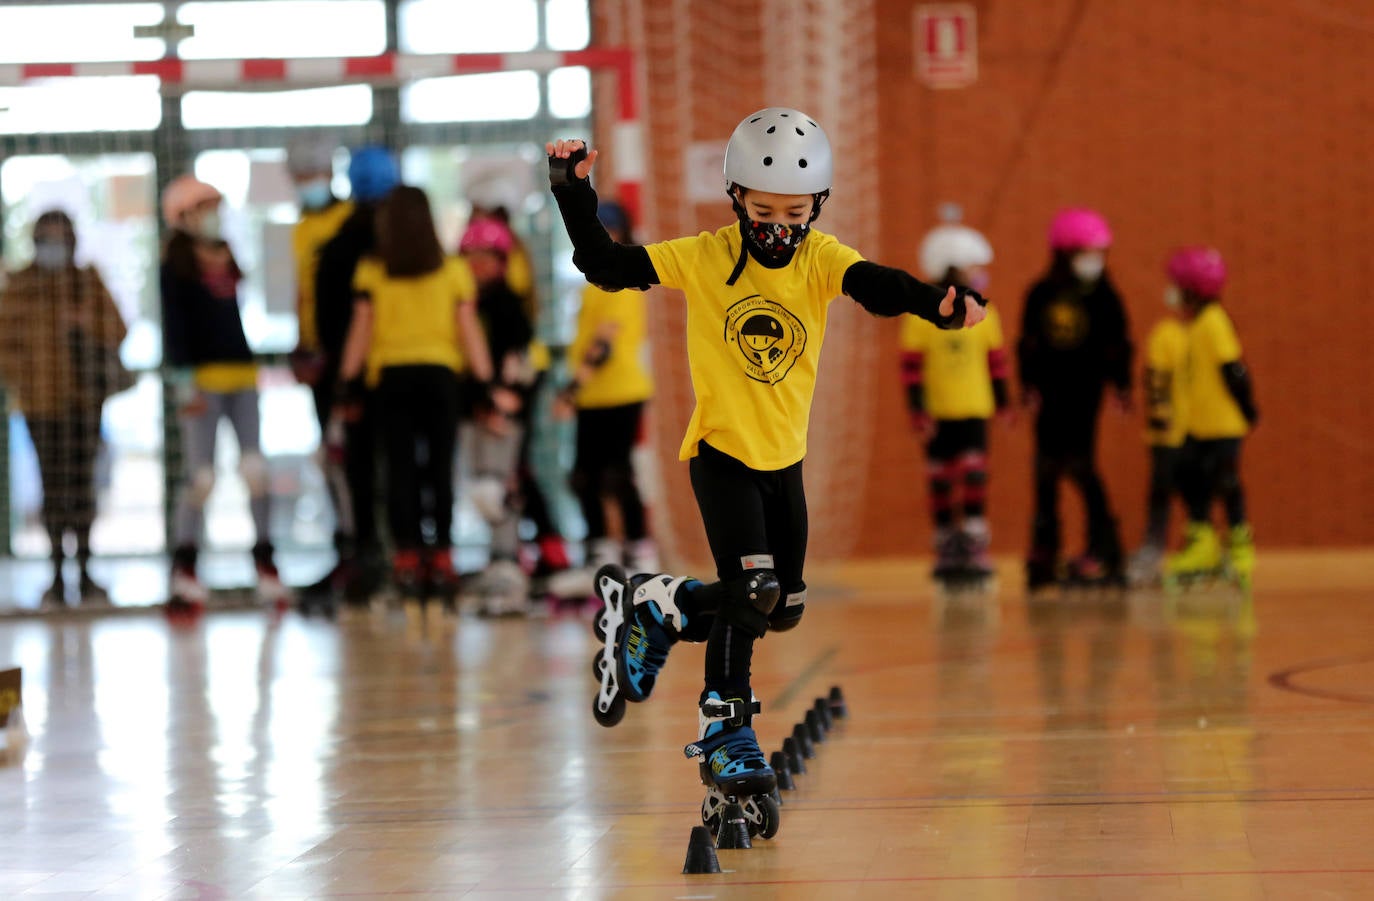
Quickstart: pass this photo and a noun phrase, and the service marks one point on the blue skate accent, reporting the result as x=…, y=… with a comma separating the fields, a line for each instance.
x=729, y=749
x=649, y=635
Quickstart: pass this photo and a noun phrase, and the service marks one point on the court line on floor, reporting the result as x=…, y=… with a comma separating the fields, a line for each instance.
x=1283, y=679
x=793, y=688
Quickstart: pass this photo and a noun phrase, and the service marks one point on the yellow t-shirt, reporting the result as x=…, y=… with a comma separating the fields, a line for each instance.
x=311, y=233
x=753, y=348
x=957, y=380
x=623, y=379
x=414, y=319
x=1166, y=352
x=1212, y=342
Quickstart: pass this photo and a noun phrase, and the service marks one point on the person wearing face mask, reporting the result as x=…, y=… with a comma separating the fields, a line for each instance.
x=60, y=333
x=1074, y=345
x=1166, y=425
x=210, y=369
x=310, y=163
x=758, y=295
x=954, y=382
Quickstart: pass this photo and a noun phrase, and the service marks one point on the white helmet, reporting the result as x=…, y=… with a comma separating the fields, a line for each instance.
x=948, y=247
x=779, y=150
x=311, y=154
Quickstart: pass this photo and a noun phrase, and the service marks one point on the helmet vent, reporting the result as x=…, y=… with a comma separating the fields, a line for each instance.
x=802, y=163
x=755, y=119
x=772, y=128
x=768, y=161
x=784, y=115
x=800, y=132
x=813, y=124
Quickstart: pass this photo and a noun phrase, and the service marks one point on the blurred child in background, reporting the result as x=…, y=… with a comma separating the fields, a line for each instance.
x=215, y=377
x=1166, y=425
x=1221, y=412
x=955, y=381
x=414, y=328
x=1074, y=343
x=610, y=386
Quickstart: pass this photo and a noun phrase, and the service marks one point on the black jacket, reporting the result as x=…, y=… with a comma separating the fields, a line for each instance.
x=1073, y=341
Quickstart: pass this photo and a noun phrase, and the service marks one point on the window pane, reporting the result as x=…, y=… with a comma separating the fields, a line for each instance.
x=46, y=34
x=116, y=103
x=468, y=26
x=344, y=105
x=568, y=24
x=471, y=98
x=284, y=28
x=570, y=93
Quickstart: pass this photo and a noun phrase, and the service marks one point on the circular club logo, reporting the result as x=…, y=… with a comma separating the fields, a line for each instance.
x=769, y=338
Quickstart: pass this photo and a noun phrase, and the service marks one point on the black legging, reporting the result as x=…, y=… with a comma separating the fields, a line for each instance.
x=748, y=515
x=1211, y=469
x=605, y=438
x=1164, y=466
x=417, y=410
x=1065, y=447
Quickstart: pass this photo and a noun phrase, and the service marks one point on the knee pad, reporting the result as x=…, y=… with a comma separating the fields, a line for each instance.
x=253, y=468
x=201, y=484
x=489, y=497
x=788, y=612
x=752, y=597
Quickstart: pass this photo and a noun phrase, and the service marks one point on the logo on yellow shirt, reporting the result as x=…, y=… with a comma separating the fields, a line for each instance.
x=770, y=339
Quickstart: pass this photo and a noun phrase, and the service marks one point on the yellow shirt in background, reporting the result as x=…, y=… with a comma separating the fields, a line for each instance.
x=1212, y=342
x=311, y=233
x=957, y=380
x=753, y=348
x=414, y=319
x=623, y=379
x=1166, y=354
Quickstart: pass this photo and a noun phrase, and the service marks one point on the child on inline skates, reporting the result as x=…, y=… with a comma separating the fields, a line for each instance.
x=1166, y=425
x=758, y=291
x=1221, y=412
x=1074, y=343
x=954, y=382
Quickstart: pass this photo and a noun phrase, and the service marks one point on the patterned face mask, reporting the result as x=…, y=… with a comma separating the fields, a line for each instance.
x=774, y=240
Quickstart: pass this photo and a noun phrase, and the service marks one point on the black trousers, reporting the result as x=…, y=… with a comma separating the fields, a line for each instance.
x=66, y=447
x=1164, y=477
x=1211, y=469
x=1066, y=448
x=605, y=439
x=417, y=413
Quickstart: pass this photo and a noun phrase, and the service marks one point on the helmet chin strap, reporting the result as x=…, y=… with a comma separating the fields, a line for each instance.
x=733, y=191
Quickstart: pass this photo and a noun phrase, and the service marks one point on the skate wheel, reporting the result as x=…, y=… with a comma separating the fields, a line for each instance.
x=613, y=713
x=763, y=815
x=598, y=625
x=598, y=668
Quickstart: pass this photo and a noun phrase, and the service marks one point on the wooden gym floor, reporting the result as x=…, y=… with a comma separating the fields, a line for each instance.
x=1082, y=748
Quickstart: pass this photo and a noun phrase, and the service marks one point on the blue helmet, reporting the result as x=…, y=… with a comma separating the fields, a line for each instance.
x=373, y=173
x=613, y=216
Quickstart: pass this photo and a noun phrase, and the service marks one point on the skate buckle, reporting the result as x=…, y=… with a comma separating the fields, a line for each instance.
x=693, y=751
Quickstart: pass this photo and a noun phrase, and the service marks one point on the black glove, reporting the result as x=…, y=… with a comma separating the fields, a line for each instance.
x=563, y=172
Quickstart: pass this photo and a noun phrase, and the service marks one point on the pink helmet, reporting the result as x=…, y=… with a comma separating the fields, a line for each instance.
x=486, y=234
x=184, y=194
x=1199, y=270
x=1079, y=228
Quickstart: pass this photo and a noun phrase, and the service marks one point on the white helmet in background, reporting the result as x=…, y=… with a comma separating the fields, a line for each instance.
x=311, y=154
x=953, y=246
x=779, y=150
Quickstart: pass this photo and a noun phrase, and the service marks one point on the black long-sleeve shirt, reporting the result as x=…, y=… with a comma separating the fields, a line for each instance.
x=882, y=290
x=1073, y=341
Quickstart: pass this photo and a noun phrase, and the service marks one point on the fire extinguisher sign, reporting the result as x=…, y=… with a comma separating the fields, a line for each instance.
x=947, y=45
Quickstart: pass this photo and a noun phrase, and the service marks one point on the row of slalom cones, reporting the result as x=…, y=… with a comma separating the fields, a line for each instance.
x=788, y=762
